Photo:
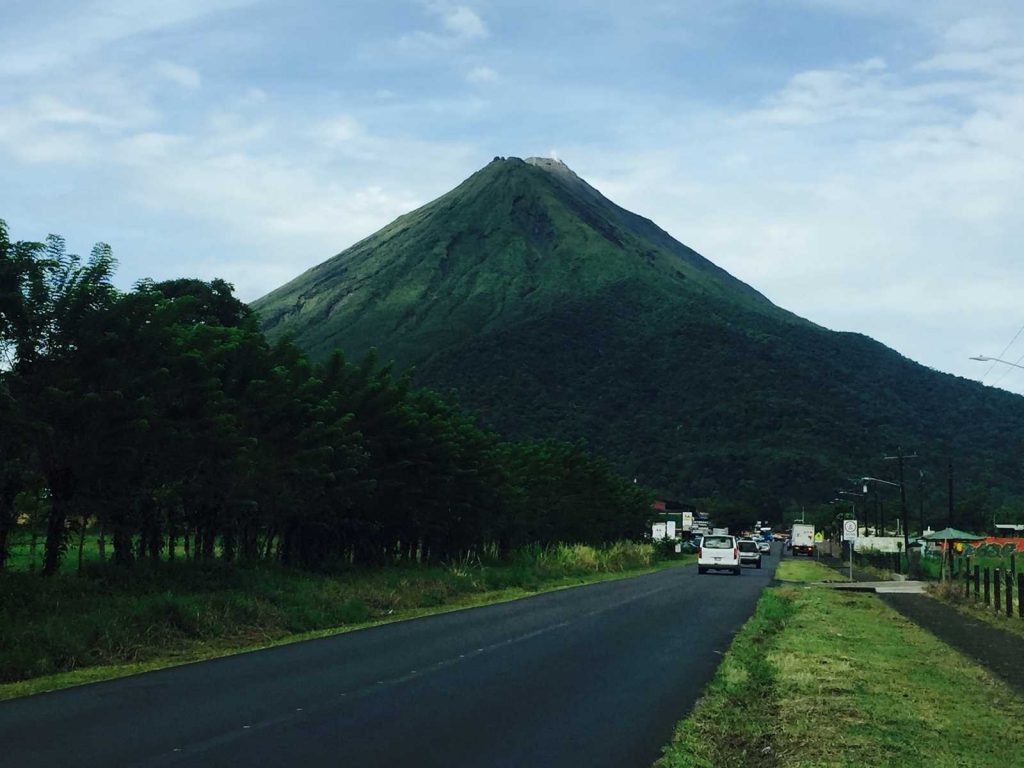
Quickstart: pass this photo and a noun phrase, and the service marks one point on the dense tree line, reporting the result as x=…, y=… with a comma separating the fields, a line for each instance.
x=163, y=418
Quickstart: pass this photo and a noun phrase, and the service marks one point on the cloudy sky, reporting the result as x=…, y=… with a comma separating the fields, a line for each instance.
x=861, y=162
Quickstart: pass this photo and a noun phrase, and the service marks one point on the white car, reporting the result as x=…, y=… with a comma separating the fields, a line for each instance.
x=718, y=553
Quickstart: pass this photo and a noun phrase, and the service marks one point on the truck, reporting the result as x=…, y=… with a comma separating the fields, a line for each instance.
x=801, y=539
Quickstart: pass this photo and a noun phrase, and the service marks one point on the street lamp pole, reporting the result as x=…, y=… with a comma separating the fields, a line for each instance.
x=866, y=480
x=899, y=457
x=987, y=359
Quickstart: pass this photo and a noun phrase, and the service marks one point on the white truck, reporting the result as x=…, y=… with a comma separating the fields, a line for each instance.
x=801, y=539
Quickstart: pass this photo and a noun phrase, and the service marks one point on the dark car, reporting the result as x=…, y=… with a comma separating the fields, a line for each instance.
x=750, y=553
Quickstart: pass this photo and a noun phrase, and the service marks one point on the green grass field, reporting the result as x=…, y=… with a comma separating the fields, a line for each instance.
x=65, y=630
x=820, y=678
x=806, y=570
x=22, y=557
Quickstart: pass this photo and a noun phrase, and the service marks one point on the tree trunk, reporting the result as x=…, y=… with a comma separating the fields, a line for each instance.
x=81, y=542
x=172, y=541
x=209, y=542
x=56, y=536
x=122, y=545
x=228, y=546
x=7, y=518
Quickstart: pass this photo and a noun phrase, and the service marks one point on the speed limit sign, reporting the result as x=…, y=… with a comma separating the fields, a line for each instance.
x=849, y=530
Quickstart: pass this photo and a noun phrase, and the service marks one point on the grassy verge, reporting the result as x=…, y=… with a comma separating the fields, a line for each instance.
x=819, y=677
x=806, y=570
x=67, y=630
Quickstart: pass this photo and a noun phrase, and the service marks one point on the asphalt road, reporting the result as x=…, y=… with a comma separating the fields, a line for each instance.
x=595, y=675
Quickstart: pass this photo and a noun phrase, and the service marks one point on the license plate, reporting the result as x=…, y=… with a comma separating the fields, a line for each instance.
x=718, y=559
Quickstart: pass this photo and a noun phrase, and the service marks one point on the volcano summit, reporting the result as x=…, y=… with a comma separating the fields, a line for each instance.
x=553, y=312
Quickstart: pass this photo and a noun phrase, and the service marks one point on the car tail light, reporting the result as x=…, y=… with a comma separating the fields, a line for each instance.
x=736, y=552
x=701, y=552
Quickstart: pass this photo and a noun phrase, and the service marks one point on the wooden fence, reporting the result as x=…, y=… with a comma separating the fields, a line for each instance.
x=993, y=585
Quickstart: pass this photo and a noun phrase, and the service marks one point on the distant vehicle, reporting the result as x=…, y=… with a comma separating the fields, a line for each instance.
x=765, y=547
x=766, y=533
x=802, y=539
x=750, y=553
x=690, y=546
x=720, y=531
x=718, y=553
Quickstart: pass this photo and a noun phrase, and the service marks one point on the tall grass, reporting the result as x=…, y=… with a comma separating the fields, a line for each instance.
x=112, y=615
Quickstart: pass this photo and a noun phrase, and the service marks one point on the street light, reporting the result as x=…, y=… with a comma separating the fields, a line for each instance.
x=987, y=359
x=906, y=536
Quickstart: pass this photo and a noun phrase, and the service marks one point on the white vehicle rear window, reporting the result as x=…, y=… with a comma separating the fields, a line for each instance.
x=717, y=542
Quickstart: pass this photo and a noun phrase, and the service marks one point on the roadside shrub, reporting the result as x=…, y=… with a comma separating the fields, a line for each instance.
x=111, y=615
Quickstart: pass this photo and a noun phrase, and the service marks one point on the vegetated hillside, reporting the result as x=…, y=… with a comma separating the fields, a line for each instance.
x=551, y=311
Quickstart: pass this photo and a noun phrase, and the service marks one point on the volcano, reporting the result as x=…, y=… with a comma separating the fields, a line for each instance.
x=550, y=311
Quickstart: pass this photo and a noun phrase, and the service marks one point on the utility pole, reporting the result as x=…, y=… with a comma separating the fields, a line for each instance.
x=899, y=458
x=949, y=514
x=920, y=499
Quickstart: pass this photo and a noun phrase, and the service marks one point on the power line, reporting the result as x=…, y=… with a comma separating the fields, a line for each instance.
x=1005, y=350
x=1009, y=370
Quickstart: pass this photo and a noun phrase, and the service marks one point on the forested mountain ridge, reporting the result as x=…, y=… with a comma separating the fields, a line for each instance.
x=549, y=310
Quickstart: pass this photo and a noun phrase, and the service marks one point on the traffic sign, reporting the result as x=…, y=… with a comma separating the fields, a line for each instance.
x=849, y=530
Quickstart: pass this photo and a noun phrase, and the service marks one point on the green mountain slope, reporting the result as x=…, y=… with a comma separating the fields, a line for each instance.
x=551, y=311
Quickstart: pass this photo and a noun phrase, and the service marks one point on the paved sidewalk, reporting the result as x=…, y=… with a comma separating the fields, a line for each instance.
x=879, y=587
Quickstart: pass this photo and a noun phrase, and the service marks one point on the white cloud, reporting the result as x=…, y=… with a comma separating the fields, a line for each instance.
x=460, y=25
x=186, y=77
x=482, y=75
x=462, y=21
x=979, y=32
x=47, y=109
x=78, y=35
x=338, y=130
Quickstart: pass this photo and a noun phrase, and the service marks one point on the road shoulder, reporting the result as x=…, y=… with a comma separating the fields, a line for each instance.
x=820, y=677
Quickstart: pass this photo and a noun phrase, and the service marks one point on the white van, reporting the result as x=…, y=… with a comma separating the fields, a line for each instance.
x=718, y=553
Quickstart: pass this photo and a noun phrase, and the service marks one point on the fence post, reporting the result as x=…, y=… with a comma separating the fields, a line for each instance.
x=988, y=601
x=967, y=577
x=1020, y=595
x=977, y=581
x=1009, y=595
x=997, y=585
